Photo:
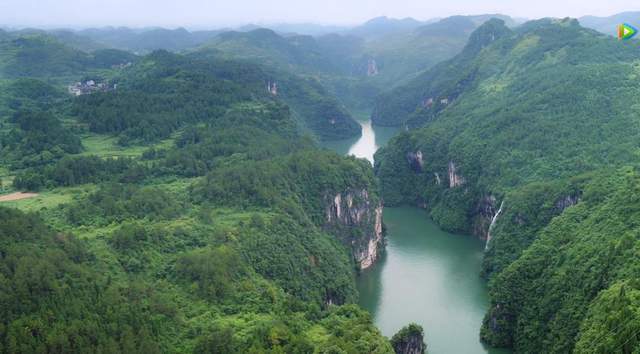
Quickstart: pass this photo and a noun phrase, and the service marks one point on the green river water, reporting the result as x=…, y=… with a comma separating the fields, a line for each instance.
x=426, y=275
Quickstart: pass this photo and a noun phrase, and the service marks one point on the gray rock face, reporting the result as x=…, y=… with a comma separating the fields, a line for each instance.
x=455, y=178
x=415, y=161
x=409, y=340
x=567, y=201
x=485, y=215
x=357, y=220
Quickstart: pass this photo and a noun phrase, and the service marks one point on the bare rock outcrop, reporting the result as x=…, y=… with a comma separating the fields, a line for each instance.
x=409, y=340
x=357, y=220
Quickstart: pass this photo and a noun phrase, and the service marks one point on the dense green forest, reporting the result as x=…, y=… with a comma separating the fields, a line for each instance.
x=183, y=210
x=165, y=91
x=522, y=139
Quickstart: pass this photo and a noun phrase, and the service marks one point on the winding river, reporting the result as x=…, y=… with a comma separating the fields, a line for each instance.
x=426, y=275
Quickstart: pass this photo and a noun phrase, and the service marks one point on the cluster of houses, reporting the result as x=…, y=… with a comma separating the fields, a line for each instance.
x=90, y=86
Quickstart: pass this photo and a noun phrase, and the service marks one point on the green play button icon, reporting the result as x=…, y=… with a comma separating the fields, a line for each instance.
x=626, y=31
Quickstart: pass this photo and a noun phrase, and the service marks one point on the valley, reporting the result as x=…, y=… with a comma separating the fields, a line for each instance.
x=425, y=275
x=466, y=184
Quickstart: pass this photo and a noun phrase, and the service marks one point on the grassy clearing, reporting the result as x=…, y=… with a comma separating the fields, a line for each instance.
x=107, y=146
x=49, y=199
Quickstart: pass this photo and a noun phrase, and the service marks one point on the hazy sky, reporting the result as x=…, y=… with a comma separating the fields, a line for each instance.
x=217, y=13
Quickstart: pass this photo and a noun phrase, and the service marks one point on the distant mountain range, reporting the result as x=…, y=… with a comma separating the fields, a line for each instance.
x=144, y=40
x=609, y=24
x=381, y=26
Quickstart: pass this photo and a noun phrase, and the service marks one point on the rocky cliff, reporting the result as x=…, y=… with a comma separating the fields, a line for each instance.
x=455, y=178
x=485, y=216
x=409, y=340
x=416, y=161
x=356, y=218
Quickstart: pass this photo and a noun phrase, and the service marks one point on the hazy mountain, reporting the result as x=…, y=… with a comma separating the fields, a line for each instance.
x=32, y=54
x=381, y=26
x=298, y=53
x=146, y=40
x=68, y=37
x=609, y=25
x=354, y=68
x=310, y=29
x=401, y=56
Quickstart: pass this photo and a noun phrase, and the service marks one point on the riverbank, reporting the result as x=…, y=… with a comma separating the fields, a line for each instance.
x=429, y=277
x=426, y=275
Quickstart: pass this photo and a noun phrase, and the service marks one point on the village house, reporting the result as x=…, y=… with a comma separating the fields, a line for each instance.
x=90, y=86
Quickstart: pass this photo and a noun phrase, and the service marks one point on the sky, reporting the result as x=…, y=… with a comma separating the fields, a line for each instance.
x=218, y=13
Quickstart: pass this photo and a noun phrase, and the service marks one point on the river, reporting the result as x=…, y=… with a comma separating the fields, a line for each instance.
x=426, y=275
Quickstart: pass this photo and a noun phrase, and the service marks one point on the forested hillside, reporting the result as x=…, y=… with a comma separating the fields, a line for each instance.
x=359, y=64
x=575, y=288
x=520, y=140
x=400, y=56
x=180, y=209
x=355, y=64
x=146, y=40
x=41, y=55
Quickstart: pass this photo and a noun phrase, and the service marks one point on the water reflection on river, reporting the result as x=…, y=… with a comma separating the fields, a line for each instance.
x=367, y=144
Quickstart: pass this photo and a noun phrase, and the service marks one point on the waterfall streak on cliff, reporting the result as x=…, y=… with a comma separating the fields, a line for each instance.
x=493, y=223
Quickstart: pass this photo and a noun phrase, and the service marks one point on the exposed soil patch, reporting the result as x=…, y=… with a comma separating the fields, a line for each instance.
x=16, y=196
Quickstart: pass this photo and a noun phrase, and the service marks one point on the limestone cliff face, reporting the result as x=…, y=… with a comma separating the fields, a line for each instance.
x=409, y=340
x=485, y=216
x=416, y=161
x=455, y=178
x=357, y=220
x=567, y=201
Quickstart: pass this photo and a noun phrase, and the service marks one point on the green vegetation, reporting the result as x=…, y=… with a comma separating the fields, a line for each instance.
x=410, y=339
x=528, y=130
x=562, y=286
x=183, y=212
x=142, y=40
x=400, y=56
x=400, y=50
x=266, y=46
x=315, y=108
x=187, y=208
x=43, y=56
x=145, y=287
x=166, y=91
x=533, y=120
